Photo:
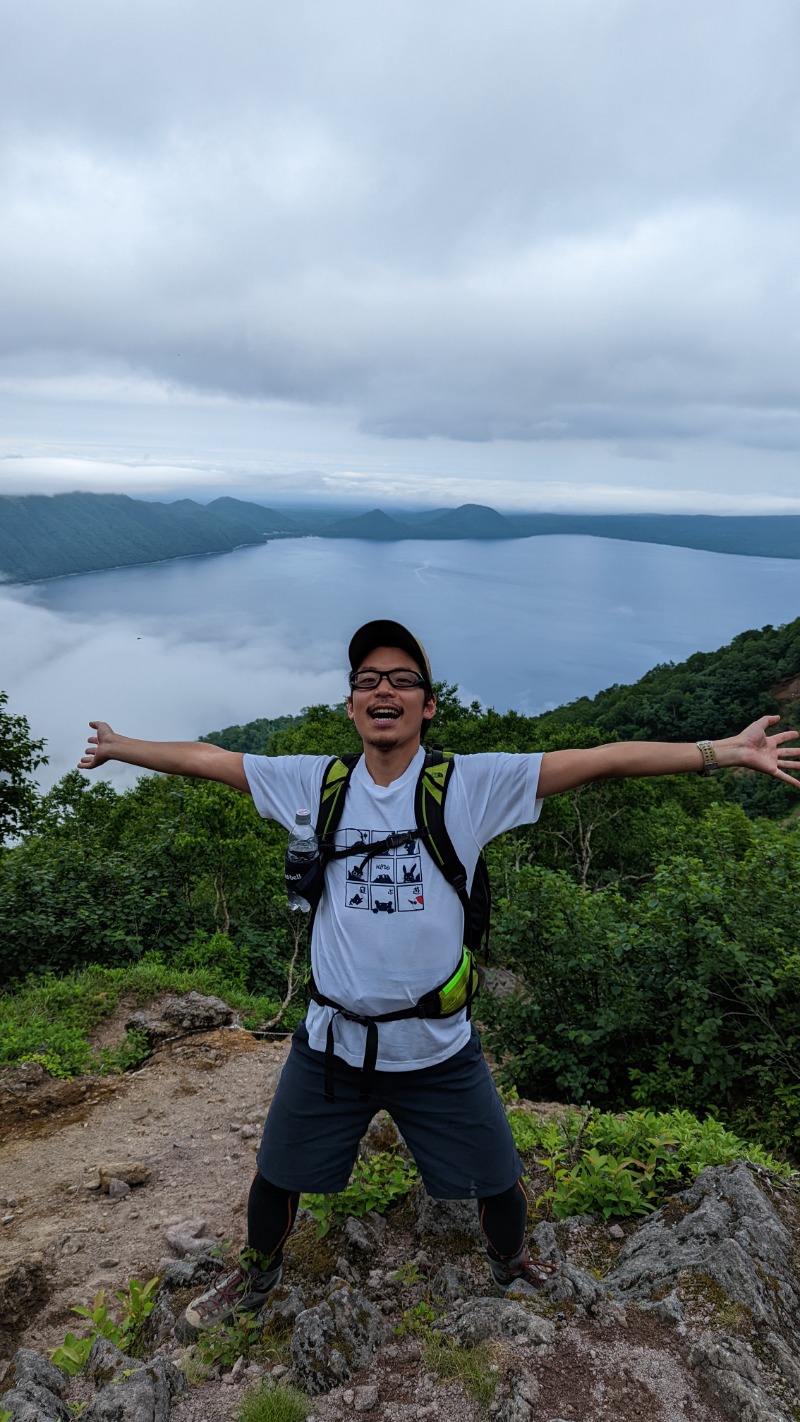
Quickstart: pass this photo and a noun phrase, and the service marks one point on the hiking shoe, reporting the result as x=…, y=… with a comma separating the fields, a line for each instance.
x=245, y=1289
x=521, y=1272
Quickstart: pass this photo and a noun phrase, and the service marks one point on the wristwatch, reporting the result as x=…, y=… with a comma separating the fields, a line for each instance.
x=706, y=749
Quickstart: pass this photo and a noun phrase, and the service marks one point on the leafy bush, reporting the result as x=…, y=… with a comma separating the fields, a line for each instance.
x=126, y=1333
x=687, y=992
x=618, y=1166
x=376, y=1183
x=217, y=954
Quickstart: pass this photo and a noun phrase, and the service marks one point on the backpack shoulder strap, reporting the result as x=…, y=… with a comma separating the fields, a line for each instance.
x=332, y=796
x=429, y=802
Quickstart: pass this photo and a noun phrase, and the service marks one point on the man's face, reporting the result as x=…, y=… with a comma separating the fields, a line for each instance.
x=387, y=716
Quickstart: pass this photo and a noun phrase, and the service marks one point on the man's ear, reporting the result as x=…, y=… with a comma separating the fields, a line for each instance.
x=429, y=709
x=348, y=701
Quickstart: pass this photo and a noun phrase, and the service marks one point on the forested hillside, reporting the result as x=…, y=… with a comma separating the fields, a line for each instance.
x=49, y=536
x=647, y=929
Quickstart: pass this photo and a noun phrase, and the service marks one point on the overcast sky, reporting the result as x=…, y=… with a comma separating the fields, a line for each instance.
x=537, y=253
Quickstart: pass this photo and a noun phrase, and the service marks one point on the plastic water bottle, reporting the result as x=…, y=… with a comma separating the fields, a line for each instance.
x=302, y=853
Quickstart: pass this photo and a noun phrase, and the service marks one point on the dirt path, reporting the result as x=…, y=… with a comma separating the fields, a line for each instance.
x=192, y=1116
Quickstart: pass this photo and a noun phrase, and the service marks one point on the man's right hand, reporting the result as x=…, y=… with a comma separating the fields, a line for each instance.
x=196, y=758
x=98, y=750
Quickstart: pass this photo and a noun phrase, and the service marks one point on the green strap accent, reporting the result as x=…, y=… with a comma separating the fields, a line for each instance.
x=432, y=790
x=336, y=779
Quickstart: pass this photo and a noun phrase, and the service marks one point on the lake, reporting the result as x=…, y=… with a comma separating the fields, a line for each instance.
x=177, y=649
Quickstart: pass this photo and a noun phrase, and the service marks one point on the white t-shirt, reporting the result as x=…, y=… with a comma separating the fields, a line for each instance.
x=384, y=938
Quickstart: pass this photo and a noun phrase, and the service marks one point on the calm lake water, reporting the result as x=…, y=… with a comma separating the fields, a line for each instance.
x=185, y=647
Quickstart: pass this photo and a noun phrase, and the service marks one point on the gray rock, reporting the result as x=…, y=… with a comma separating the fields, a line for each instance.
x=438, y=1217
x=180, y=1273
x=574, y=1286
x=132, y=1391
x=30, y=1367
x=118, y=1189
x=188, y=1238
x=723, y=1227
x=283, y=1308
x=359, y=1240
x=23, y=1291
x=450, y=1283
x=37, y=1392
x=193, y=1012
x=544, y=1244
x=571, y=1284
x=724, y=1239
x=471, y=1321
x=365, y=1398
x=519, y=1406
x=31, y=1403
x=131, y=1172
x=161, y=1322
x=107, y=1361
x=336, y=1338
x=735, y=1379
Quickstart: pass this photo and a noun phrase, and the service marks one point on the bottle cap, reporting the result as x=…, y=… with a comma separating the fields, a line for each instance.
x=303, y=817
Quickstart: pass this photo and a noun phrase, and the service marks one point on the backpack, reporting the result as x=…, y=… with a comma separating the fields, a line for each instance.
x=429, y=802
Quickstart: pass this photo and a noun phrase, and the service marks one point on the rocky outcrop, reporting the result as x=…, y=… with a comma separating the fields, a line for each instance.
x=130, y=1390
x=23, y=1291
x=176, y=1016
x=336, y=1338
x=37, y=1391
x=723, y=1250
x=695, y=1318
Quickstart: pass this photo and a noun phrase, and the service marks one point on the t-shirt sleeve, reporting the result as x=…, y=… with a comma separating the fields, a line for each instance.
x=282, y=785
x=496, y=792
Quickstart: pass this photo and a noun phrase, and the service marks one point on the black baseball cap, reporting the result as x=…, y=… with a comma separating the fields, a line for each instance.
x=385, y=633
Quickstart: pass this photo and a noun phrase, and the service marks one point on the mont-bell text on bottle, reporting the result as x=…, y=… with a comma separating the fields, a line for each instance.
x=301, y=859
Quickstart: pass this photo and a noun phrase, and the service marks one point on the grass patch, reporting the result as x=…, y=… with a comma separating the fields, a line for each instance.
x=474, y=1367
x=273, y=1404
x=50, y=1019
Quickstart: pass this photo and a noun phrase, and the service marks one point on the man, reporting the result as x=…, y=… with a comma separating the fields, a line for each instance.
x=428, y=1073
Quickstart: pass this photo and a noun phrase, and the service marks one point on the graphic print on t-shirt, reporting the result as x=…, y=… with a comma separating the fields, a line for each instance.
x=391, y=882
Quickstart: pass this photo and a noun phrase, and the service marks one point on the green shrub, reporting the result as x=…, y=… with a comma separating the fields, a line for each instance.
x=620, y=1166
x=126, y=1333
x=377, y=1182
x=228, y=961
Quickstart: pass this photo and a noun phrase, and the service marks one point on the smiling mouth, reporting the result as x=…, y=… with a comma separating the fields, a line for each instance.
x=384, y=713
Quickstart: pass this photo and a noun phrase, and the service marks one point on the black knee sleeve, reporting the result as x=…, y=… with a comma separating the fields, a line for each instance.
x=504, y=1220
x=271, y=1213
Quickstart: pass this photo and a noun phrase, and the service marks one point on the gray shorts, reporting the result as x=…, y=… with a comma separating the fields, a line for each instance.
x=449, y=1115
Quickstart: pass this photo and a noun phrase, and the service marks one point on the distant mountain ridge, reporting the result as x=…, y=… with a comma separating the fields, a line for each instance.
x=50, y=536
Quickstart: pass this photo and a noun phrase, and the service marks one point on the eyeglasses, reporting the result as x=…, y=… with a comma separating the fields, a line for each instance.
x=399, y=677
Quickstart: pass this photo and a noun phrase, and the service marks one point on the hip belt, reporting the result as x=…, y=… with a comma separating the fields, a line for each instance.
x=451, y=996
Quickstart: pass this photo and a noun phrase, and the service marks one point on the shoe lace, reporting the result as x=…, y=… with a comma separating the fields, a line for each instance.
x=535, y=1271
x=228, y=1290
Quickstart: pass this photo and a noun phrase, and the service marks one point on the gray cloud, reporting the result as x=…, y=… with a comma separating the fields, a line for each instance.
x=542, y=222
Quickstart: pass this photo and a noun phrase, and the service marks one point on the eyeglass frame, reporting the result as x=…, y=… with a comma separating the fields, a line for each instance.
x=387, y=675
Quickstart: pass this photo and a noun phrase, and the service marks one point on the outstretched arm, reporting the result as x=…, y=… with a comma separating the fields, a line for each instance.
x=752, y=749
x=198, y=758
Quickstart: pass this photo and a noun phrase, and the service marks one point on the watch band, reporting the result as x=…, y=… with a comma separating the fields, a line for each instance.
x=710, y=764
